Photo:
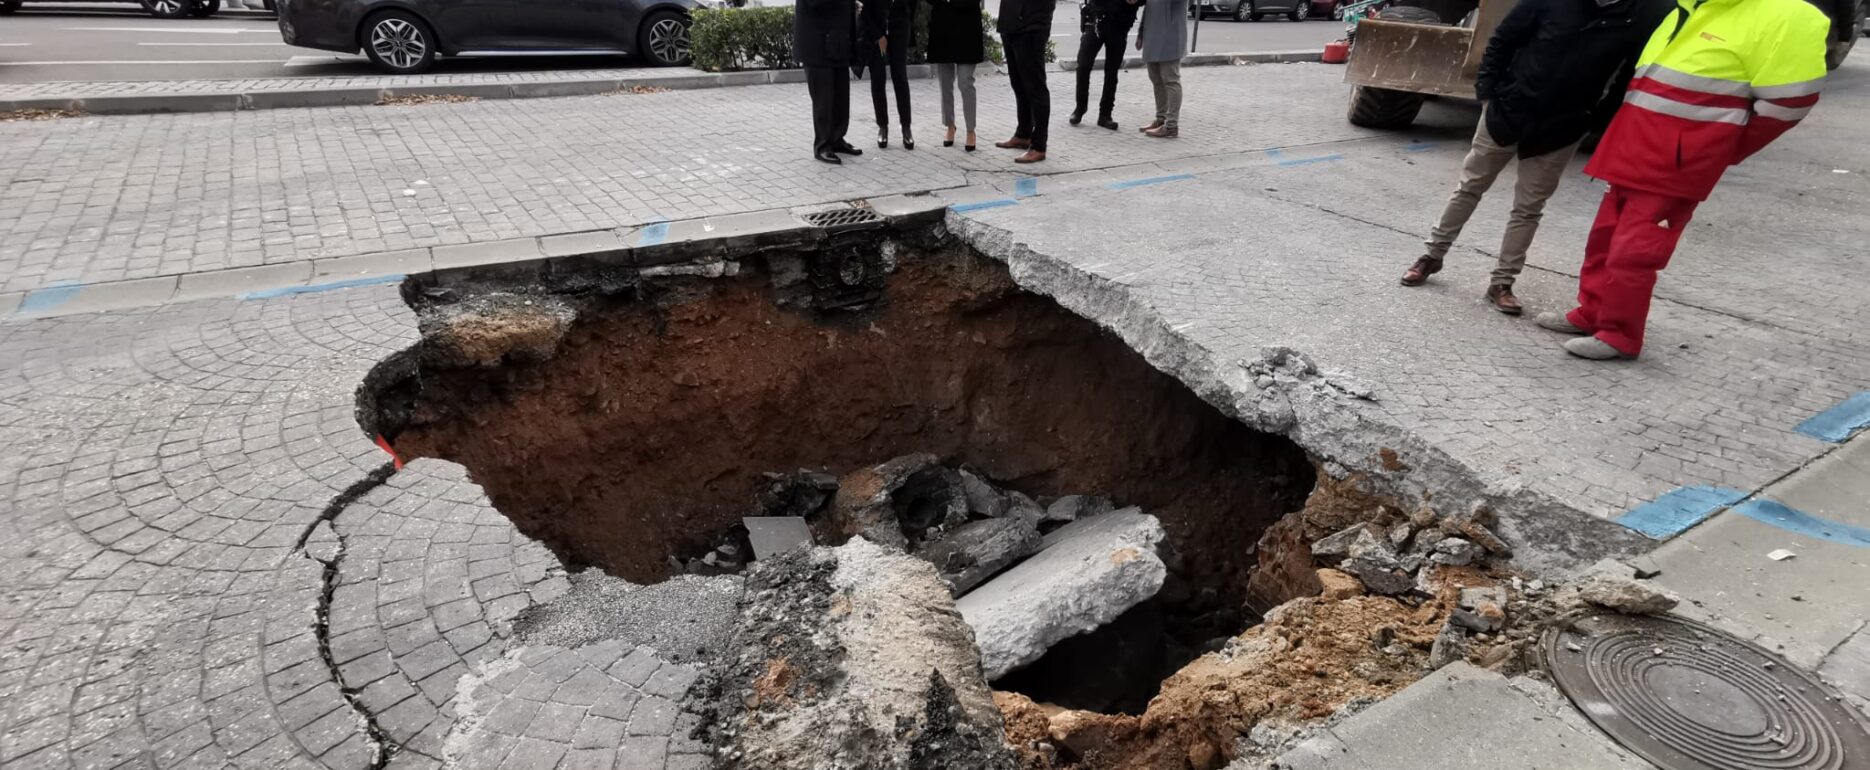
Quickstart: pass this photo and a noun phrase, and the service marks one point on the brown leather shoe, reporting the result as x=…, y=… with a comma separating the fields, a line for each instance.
x=1163, y=132
x=1015, y=143
x=1151, y=126
x=1503, y=299
x=1420, y=271
x=1031, y=156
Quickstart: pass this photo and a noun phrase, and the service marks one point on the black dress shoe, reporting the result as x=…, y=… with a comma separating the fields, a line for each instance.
x=1107, y=122
x=1077, y=116
x=847, y=149
x=828, y=157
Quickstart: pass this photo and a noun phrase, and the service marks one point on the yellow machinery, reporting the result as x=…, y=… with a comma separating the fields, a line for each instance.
x=1403, y=54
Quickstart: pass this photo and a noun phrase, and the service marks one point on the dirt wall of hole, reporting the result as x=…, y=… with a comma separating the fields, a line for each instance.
x=646, y=435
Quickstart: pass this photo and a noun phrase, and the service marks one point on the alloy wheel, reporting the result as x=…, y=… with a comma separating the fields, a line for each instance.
x=398, y=42
x=668, y=40
x=166, y=7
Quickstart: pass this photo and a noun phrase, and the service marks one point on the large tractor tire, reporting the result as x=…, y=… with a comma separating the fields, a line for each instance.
x=1412, y=14
x=1847, y=30
x=1383, y=108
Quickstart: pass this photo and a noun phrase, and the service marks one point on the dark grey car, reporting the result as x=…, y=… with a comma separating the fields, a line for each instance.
x=1254, y=10
x=405, y=36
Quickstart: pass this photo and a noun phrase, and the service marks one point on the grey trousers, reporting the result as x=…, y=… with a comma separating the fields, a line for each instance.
x=1166, y=77
x=1538, y=179
x=947, y=74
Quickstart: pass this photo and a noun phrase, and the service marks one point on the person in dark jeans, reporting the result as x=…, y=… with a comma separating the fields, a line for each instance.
x=1025, y=26
x=824, y=36
x=887, y=29
x=1106, y=26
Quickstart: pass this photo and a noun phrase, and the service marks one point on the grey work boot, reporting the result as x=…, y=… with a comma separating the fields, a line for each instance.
x=1557, y=322
x=1594, y=349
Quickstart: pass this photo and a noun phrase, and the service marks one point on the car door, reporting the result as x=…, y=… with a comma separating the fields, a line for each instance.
x=569, y=24
x=467, y=24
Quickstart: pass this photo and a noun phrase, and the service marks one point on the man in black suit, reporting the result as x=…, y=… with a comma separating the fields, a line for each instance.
x=824, y=34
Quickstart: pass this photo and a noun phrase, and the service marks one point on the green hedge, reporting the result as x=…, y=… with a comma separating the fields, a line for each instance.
x=728, y=39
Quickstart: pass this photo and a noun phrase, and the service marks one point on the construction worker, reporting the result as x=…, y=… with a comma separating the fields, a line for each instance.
x=1553, y=71
x=1718, y=81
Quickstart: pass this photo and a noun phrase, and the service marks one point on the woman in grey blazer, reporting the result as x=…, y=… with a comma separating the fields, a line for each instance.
x=1163, y=39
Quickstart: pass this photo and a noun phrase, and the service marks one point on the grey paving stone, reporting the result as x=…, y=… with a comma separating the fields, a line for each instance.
x=401, y=262
x=489, y=253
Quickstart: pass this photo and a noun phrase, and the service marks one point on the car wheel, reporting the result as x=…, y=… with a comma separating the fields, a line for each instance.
x=1301, y=10
x=1337, y=12
x=1383, y=107
x=1244, y=10
x=166, y=9
x=663, y=39
x=202, y=9
x=399, y=43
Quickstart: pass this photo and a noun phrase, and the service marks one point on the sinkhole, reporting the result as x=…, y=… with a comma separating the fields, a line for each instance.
x=630, y=422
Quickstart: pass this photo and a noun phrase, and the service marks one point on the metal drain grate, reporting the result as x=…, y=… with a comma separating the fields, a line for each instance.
x=1688, y=697
x=843, y=219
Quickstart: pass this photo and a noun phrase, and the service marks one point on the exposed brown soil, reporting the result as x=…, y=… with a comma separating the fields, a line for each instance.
x=646, y=435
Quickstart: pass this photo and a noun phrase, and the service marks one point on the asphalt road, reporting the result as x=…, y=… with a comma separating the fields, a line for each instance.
x=45, y=43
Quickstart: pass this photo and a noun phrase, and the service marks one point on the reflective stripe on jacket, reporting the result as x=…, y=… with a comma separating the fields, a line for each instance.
x=1719, y=80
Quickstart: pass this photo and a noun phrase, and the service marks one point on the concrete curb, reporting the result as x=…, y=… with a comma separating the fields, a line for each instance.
x=270, y=99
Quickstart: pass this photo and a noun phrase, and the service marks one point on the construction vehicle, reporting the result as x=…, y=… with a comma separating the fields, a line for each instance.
x=1404, y=54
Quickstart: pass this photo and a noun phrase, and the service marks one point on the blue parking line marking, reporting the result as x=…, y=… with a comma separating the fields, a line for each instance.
x=986, y=204
x=48, y=297
x=653, y=233
x=1279, y=158
x=1026, y=188
x=1838, y=423
x=348, y=283
x=1777, y=514
x=1678, y=509
x=1129, y=183
x=1420, y=146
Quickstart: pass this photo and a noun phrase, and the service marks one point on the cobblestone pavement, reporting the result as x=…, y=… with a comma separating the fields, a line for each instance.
x=96, y=88
x=204, y=562
x=112, y=198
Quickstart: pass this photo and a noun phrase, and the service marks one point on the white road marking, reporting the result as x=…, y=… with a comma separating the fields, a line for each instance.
x=14, y=45
x=209, y=45
x=186, y=30
x=90, y=63
x=313, y=61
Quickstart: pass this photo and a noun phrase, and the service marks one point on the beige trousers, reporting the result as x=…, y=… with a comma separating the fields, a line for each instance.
x=1538, y=179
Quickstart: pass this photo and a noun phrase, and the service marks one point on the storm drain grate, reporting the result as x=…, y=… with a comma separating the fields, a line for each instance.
x=843, y=219
x=1683, y=695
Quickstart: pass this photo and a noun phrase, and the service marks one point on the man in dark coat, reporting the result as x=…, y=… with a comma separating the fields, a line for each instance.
x=1553, y=71
x=1025, y=26
x=1106, y=27
x=824, y=35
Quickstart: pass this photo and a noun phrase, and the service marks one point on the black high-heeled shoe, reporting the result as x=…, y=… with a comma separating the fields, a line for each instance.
x=909, y=139
x=948, y=139
x=883, y=138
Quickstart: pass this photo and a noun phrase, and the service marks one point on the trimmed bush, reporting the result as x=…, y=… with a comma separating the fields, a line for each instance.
x=729, y=39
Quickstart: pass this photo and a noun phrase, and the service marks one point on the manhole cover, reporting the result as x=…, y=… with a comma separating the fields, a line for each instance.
x=1684, y=696
x=843, y=219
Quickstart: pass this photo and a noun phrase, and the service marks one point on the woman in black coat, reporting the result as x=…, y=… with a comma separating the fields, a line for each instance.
x=956, y=44
x=887, y=27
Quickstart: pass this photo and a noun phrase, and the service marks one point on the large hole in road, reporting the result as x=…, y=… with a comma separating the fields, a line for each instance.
x=633, y=432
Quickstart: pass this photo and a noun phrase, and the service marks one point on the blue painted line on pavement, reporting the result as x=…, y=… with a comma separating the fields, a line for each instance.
x=1129, y=183
x=1279, y=158
x=1026, y=188
x=1838, y=423
x=987, y=204
x=48, y=297
x=653, y=233
x=348, y=283
x=1777, y=514
x=1421, y=146
x=1678, y=509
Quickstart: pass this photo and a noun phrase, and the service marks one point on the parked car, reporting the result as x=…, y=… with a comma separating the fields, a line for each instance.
x=405, y=36
x=161, y=9
x=1254, y=10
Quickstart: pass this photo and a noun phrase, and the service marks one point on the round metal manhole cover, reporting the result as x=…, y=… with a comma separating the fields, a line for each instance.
x=1686, y=696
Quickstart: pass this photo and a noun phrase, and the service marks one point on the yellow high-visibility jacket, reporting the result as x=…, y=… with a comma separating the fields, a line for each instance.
x=1719, y=80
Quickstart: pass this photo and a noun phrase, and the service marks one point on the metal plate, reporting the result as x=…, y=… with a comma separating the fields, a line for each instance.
x=1689, y=697
x=844, y=219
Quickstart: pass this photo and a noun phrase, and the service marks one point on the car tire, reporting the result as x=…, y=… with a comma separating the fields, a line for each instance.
x=398, y=42
x=202, y=9
x=1383, y=107
x=1301, y=10
x=1244, y=10
x=662, y=39
x=8, y=6
x=167, y=9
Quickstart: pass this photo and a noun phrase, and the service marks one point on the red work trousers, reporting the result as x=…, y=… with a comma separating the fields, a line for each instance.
x=1631, y=241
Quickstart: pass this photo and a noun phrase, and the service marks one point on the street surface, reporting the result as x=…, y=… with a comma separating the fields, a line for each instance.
x=44, y=43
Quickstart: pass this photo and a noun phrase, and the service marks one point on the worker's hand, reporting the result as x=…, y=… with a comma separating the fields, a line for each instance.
x=883, y=44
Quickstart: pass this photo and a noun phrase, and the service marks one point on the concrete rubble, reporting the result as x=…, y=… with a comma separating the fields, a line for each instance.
x=846, y=658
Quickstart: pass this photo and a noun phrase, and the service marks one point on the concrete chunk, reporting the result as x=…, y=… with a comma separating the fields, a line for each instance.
x=774, y=535
x=1089, y=573
x=977, y=550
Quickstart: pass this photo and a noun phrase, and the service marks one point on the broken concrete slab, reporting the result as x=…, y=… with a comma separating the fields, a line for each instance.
x=1088, y=573
x=774, y=535
x=1074, y=507
x=686, y=619
x=979, y=550
x=846, y=658
x=1628, y=596
x=983, y=498
x=863, y=506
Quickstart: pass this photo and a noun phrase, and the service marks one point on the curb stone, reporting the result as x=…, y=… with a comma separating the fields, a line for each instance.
x=350, y=96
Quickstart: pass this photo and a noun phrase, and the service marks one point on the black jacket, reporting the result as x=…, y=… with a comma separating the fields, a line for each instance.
x=1113, y=15
x=1019, y=16
x=1556, y=69
x=824, y=32
x=955, y=33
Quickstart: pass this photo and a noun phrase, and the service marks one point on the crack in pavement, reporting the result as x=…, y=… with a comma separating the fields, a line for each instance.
x=382, y=746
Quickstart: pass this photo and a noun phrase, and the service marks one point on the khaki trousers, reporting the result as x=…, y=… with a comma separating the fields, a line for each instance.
x=1538, y=179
